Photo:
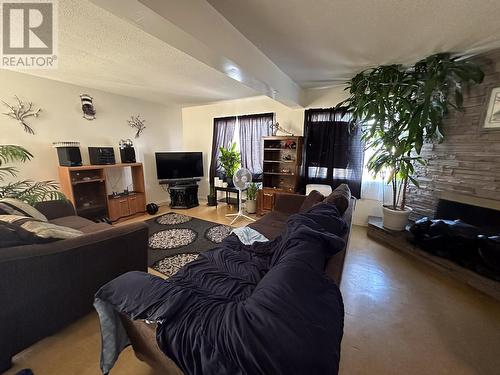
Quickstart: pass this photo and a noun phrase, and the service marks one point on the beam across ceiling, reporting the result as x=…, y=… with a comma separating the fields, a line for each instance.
x=197, y=29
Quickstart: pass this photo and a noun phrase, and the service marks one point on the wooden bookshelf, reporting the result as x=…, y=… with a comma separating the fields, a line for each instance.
x=282, y=168
x=85, y=187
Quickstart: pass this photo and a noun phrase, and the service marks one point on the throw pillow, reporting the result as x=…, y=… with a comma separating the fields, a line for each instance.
x=41, y=231
x=313, y=198
x=341, y=197
x=12, y=206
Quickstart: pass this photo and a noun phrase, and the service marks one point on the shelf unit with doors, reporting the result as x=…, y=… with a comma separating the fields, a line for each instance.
x=282, y=169
x=85, y=187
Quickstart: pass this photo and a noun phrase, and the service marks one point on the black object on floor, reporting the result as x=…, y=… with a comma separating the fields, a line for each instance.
x=25, y=371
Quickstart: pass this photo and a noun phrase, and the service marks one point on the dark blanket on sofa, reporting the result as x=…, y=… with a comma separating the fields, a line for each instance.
x=261, y=309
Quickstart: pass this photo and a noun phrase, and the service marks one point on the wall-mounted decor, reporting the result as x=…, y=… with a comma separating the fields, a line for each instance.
x=21, y=111
x=87, y=107
x=275, y=127
x=492, y=116
x=137, y=123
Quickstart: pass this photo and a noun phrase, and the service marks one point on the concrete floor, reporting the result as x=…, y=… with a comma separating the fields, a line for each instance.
x=401, y=318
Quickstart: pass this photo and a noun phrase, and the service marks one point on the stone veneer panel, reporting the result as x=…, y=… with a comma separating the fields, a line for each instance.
x=468, y=161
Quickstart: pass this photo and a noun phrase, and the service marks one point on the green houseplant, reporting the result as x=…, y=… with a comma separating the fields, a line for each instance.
x=230, y=160
x=399, y=108
x=251, y=202
x=26, y=190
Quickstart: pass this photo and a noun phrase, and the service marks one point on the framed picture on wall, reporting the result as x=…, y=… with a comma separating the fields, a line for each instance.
x=492, y=115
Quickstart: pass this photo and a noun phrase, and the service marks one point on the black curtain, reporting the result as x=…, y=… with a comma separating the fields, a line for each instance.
x=251, y=130
x=333, y=151
x=222, y=137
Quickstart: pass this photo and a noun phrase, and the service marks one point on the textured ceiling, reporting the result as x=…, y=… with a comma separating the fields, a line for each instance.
x=322, y=42
x=102, y=51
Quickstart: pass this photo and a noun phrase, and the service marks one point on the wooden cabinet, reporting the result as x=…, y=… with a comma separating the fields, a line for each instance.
x=126, y=205
x=267, y=196
x=282, y=169
x=85, y=187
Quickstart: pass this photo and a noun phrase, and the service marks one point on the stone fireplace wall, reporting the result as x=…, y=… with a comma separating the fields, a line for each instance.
x=467, y=163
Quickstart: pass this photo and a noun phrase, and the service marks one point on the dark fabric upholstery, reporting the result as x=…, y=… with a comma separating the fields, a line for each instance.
x=341, y=197
x=288, y=203
x=75, y=222
x=55, y=209
x=271, y=225
x=313, y=198
x=45, y=287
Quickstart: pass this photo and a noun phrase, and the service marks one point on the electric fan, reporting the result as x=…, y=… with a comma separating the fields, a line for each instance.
x=241, y=180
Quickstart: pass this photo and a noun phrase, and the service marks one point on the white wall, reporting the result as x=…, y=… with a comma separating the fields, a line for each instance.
x=61, y=120
x=198, y=126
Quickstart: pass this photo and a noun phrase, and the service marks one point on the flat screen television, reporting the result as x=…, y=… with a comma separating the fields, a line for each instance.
x=179, y=165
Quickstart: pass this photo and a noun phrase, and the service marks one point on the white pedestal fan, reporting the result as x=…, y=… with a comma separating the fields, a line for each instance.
x=241, y=179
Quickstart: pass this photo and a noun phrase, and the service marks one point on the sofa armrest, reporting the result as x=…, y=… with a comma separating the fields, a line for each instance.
x=288, y=203
x=45, y=287
x=56, y=208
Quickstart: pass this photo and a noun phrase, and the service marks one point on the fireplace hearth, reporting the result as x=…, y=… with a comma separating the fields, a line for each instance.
x=462, y=240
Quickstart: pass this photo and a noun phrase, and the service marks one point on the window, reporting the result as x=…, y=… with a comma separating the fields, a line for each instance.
x=333, y=149
x=247, y=132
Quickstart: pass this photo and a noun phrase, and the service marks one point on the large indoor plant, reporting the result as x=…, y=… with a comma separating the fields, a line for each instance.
x=230, y=160
x=399, y=108
x=26, y=190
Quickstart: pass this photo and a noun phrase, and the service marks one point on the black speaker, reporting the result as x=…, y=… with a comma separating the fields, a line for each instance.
x=69, y=156
x=152, y=208
x=127, y=154
x=101, y=155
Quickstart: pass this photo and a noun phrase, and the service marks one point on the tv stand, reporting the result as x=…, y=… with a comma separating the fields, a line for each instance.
x=183, y=193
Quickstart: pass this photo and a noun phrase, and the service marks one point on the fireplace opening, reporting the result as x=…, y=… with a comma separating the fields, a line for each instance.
x=466, y=234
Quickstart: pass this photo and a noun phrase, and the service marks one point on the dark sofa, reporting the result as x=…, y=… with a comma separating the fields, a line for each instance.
x=45, y=287
x=143, y=336
x=272, y=224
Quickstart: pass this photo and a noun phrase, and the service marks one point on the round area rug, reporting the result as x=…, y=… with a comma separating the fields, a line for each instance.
x=217, y=233
x=171, y=238
x=172, y=219
x=169, y=266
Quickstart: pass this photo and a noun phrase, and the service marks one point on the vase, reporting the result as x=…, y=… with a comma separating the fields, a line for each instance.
x=396, y=219
x=251, y=206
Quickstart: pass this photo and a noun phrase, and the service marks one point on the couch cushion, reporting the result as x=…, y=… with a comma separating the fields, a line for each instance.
x=271, y=225
x=341, y=197
x=12, y=206
x=95, y=227
x=80, y=223
x=314, y=197
x=75, y=222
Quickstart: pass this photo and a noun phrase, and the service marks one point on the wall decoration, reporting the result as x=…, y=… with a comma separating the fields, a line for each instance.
x=275, y=127
x=21, y=112
x=137, y=123
x=87, y=107
x=492, y=116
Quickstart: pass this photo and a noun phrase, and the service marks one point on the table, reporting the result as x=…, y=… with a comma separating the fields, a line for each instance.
x=228, y=190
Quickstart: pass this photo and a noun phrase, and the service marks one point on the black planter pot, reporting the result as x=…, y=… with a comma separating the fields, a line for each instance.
x=229, y=181
x=211, y=200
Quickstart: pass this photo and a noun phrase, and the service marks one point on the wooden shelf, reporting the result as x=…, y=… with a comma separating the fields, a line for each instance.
x=279, y=161
x=104, y=166
x=91, y=207
x=280, y=173
x=88, y=181
x=93, y=189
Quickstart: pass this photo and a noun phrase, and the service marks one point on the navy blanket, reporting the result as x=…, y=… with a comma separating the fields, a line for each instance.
x=267, y=308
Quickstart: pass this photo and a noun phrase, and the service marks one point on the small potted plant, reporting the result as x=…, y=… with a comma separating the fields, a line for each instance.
x=251, y=202
x=211, y=197
x=230, y=160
